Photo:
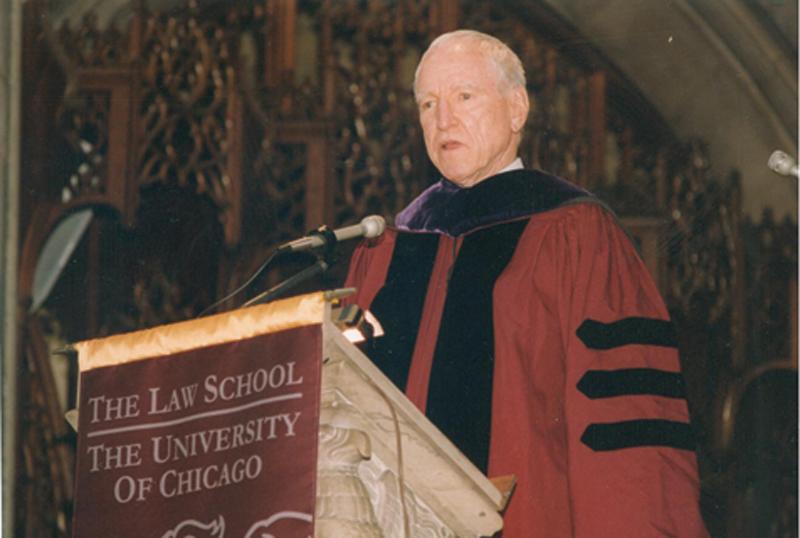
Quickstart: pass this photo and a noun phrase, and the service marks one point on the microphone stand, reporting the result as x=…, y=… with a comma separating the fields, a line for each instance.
x=319, y=267
x=322, y=264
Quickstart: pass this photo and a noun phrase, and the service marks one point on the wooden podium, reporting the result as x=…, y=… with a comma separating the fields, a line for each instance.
x=381, y=470
x=362, y=416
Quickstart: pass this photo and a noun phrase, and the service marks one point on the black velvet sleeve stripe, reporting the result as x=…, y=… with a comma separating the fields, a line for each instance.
x=638, y=433
x=648, y=331
x=632, y=381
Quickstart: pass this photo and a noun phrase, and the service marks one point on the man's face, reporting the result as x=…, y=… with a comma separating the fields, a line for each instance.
x=470, y=120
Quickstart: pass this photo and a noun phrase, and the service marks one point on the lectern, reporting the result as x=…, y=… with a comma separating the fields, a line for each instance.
x=262, y=421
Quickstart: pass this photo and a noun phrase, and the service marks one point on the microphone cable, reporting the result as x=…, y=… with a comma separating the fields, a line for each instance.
x=241, y=288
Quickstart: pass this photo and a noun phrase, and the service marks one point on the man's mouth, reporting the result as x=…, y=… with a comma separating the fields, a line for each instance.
x=450, y=145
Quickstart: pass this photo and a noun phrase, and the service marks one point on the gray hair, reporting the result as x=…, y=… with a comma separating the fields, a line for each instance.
x=502, y=57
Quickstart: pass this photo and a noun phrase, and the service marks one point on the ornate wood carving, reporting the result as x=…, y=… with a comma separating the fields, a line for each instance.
x=771, y=270
x=91, y=46
x=95, y=123
x=46, y=444
x=164, y=109
x=220, y=107
x=368, y=51
x=279, y=49
x=189, y=114
x=704, y=267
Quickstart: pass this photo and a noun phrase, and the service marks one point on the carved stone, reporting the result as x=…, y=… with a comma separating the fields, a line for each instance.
x=358, y=495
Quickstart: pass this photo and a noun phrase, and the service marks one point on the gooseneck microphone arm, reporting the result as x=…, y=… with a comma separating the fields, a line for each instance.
x=325, y=239
x=369, y=227
x=319, y=267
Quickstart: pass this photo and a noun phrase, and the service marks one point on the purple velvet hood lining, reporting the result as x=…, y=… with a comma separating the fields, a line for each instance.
x=446, y=208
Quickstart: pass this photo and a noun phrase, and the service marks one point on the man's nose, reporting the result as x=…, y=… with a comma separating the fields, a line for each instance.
x=444, y=115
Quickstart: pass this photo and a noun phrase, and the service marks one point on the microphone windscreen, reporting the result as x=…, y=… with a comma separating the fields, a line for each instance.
x=374, y=225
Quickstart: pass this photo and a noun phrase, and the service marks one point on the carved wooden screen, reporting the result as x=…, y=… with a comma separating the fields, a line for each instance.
x=218, y=130
x=368, y=53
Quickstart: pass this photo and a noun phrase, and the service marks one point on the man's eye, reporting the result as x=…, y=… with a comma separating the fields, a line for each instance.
x=426, y=105
x=465, y=96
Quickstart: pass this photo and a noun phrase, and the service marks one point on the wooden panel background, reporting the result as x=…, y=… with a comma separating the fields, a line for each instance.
x=205, y=135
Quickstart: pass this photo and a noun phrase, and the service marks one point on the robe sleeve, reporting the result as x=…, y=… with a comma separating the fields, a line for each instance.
x=368, y=267
x=630, y=451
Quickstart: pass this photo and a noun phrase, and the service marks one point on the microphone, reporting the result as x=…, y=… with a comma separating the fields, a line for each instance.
x=781, y=163
x=369, y=227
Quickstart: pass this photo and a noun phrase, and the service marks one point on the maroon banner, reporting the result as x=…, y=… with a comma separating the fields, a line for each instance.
x=218, y=441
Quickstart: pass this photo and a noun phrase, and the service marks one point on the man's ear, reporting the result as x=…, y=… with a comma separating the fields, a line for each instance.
x=520, y=107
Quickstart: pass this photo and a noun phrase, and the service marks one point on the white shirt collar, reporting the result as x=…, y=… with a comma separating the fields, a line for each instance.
x=516, y=164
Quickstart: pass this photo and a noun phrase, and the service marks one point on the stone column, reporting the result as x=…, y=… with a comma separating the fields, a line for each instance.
x=10, y=83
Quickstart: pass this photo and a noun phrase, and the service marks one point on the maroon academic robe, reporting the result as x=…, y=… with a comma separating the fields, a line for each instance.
x=521, y=320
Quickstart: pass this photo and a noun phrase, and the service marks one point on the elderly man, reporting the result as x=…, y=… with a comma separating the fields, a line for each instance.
x=520, y=319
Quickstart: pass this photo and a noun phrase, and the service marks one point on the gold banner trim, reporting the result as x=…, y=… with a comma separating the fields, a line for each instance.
x=208, y=331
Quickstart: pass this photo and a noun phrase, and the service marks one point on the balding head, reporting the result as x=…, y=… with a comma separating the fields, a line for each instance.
x=510, y=71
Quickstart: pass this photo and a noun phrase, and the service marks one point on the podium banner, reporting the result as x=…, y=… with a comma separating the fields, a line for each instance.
x=202, y=428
